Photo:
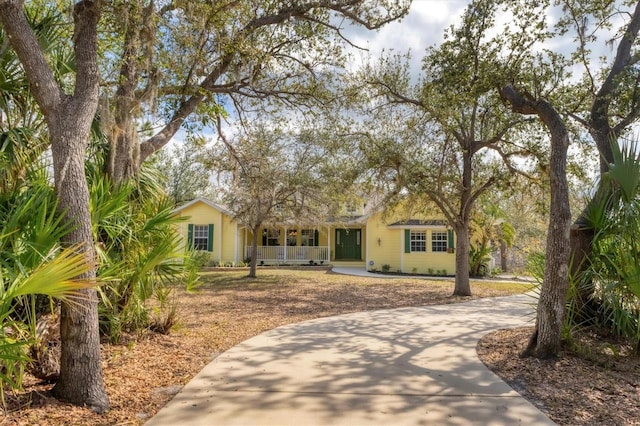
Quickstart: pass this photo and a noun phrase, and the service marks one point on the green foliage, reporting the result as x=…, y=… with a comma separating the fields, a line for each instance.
x=535, y=266
x=32, y=266
x=489, y=227
x=137, y=246
x=479, y=258
x=614, y=271
x=386, y=267
x=185, y=170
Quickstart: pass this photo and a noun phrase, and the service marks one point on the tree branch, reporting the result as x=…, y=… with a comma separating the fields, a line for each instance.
x=43, y=84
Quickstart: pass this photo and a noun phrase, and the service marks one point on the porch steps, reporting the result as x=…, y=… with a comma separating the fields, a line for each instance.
x=349, y=263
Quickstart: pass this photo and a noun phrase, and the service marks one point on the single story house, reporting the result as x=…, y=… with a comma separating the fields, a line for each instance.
x=371, y=239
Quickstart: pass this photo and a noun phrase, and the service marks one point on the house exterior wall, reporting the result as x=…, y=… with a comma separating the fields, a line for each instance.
x=429, y=262
x=228, y=241
x=387, y=247
x=224, y=248
x=384, y=246
x=380, y=243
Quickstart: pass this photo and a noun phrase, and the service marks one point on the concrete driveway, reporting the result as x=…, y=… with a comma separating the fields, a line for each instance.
x=408, y=366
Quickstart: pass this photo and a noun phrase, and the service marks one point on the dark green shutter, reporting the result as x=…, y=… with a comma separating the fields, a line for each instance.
x=450, y=241
x=316, y=236
x=264, y=237
x=190, y=236
x=407, y=241
x=210, y=239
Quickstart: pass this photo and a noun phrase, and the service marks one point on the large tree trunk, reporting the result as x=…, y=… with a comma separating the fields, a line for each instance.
x=546, y=339
x=461, y=224
x=69, y=121
x=124, y=148
x=604, y=135
x=120, y=117
x=462, y=285
x=80, y=379
x=581, y=243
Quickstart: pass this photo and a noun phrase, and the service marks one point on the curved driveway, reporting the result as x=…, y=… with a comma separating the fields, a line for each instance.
x=407, y=366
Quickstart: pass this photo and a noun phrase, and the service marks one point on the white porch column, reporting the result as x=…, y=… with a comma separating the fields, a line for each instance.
x=286, y=237
x=366, y=248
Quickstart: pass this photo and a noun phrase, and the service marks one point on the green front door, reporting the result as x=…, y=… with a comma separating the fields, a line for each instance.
x=348, y=244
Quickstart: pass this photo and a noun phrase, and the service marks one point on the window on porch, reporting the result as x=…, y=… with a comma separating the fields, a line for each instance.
x=308, y=237
x=292, y=237
x=271, y=237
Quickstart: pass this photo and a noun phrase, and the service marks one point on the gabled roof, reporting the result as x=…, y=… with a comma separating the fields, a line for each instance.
x=348, y=220
x=208, y=202
x=419, y=223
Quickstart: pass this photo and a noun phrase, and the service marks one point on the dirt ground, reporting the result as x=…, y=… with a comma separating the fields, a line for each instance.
x=145, y=371
x=595, y=381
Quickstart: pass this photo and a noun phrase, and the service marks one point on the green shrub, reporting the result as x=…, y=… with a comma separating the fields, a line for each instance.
x=479, y=258
x=140, y=259
x=33, y=266
x=607, y=295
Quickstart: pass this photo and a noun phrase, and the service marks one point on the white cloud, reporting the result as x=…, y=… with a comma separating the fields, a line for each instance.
x=423, y=27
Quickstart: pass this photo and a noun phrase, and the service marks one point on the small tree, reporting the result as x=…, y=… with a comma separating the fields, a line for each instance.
x=271, y=177
x=490, y=229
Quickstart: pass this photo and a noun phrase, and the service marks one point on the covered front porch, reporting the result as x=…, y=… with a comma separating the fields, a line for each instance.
x=291, y=245
x=270, y=255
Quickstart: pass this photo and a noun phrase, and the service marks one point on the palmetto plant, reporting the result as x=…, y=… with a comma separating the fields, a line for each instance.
x=137, y=246
x=614, y=272
x=31, y=263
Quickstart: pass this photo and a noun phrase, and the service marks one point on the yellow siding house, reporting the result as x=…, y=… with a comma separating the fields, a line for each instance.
x=377, y=241
x=209, y=227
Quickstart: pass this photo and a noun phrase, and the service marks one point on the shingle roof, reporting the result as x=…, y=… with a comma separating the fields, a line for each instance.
x=210, y=203
x=418, y=223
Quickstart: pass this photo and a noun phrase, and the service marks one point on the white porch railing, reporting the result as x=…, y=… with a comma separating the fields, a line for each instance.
x=290, y=254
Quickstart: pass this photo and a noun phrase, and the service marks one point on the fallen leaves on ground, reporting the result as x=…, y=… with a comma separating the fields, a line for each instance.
x=145, y=371
x=588, y=384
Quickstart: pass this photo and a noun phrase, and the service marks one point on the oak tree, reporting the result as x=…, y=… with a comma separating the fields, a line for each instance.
x=452, y=139
x=177, y=64
x=272, y=176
